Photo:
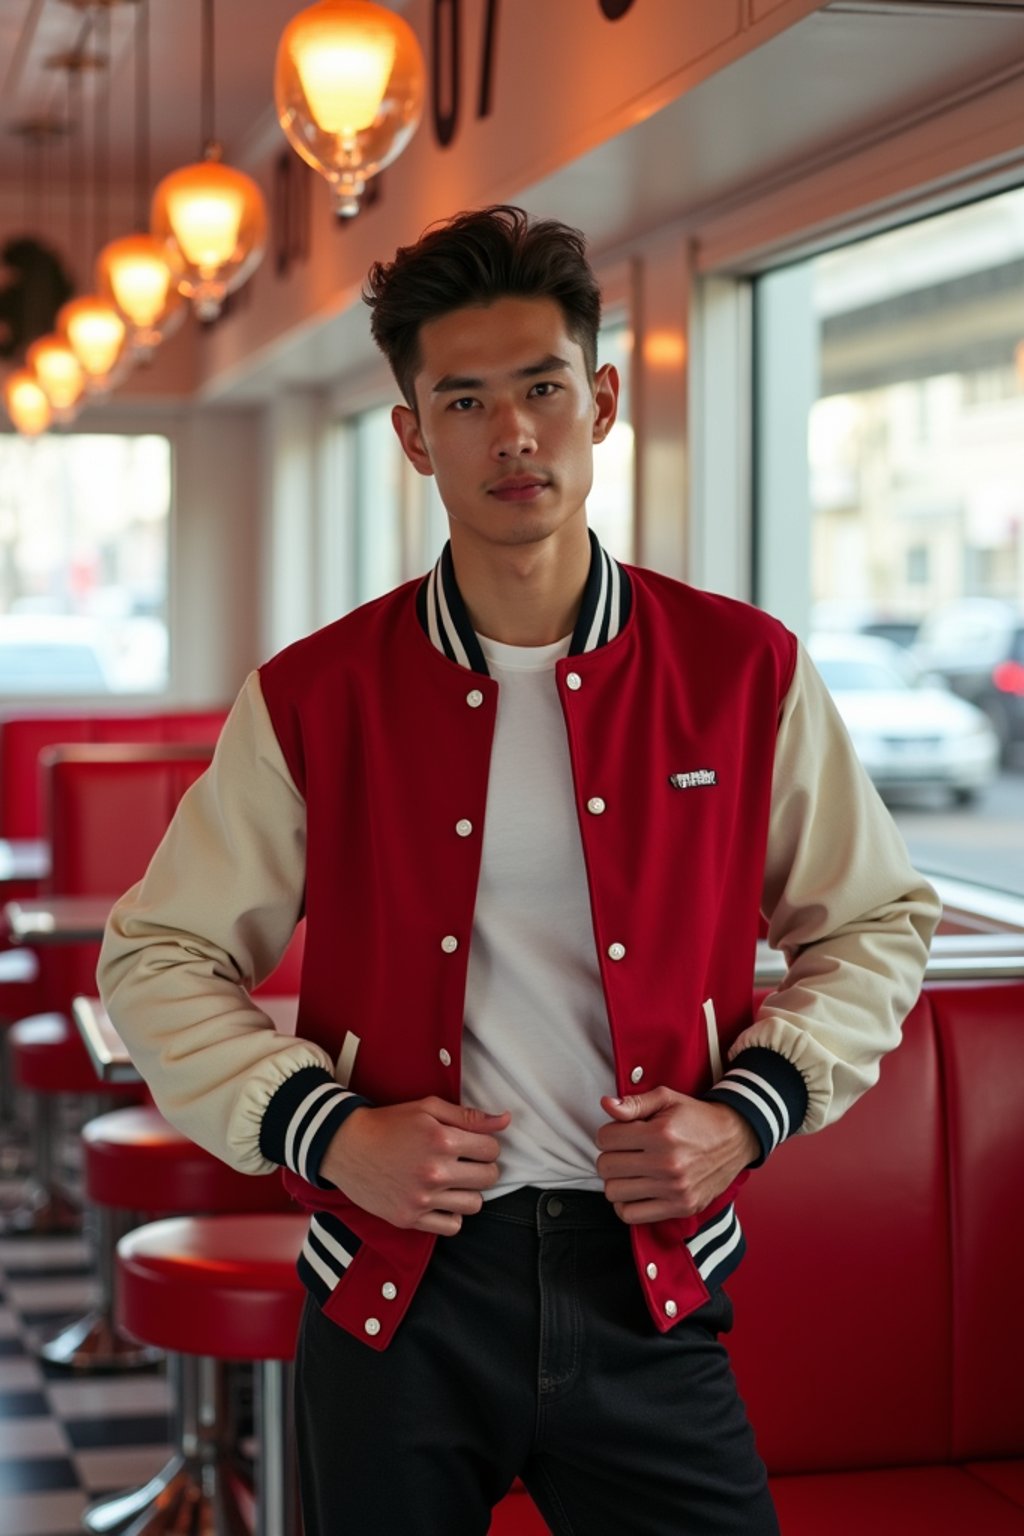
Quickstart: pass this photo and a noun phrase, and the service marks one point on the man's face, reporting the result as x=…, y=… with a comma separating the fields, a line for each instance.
x=506, y=420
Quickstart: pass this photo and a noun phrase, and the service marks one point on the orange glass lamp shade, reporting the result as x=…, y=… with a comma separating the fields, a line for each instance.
x=213, y=220
x=59, y=372
x=139, y=275
x=26, y=403
x=349, y=87
x=96, y=334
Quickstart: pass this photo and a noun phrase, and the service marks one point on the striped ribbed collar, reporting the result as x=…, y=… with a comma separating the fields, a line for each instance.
x=607, y=599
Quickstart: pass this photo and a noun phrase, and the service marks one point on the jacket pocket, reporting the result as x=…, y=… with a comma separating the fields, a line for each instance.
x=714, y=1048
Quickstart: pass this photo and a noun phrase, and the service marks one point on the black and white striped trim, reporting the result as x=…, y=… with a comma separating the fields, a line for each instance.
x=605, y=607
x=718, y=1247
x=327, y=1252
x=768, y=1091
x=302, y=1118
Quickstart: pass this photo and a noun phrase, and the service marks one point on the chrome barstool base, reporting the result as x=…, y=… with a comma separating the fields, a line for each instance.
x=188, y=1497
x=95, y=1343
x=44, y=1213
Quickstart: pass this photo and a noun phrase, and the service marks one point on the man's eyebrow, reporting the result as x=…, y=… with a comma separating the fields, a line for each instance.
x=461, y=381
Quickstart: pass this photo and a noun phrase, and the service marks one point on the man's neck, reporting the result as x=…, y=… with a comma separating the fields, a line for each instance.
x=526, y=594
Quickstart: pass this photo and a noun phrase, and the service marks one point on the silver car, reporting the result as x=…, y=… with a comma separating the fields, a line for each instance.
x=909, y=730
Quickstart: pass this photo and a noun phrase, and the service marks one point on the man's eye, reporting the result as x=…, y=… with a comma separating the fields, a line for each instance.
x=464, y=403
x=544, y=387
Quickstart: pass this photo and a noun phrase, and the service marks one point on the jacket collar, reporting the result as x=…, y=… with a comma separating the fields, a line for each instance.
x=607, y=600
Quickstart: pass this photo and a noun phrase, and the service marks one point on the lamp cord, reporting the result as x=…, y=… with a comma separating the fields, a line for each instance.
x=101, y=138
x=207, y=123
x=142, y=117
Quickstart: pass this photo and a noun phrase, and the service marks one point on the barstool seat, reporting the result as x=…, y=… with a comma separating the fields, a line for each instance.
x=223, y=1288
x=47, y=1058
x=135, y=1161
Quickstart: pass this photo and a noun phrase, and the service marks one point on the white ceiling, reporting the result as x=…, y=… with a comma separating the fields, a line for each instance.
x=847, y=72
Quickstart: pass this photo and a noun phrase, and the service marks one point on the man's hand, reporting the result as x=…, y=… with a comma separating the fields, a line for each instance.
x=663, y=1154
x=418, y=1165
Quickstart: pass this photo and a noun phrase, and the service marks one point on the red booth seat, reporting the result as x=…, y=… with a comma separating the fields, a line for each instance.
x=879, y=1341
x=879, y=1338
x=24, y=738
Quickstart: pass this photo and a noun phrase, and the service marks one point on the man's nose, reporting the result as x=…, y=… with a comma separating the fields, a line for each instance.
x=514, y=436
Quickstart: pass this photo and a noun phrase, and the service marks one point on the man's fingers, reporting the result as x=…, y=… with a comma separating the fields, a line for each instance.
x=465, y=1117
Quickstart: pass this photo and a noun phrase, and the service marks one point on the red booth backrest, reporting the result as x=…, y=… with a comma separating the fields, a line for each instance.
x=22, y=741
x=878, y=1306
x=107, y=809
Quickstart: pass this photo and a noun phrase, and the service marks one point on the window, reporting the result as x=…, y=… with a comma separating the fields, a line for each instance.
x=84, y=528
x=610, y=505
x=915, y=476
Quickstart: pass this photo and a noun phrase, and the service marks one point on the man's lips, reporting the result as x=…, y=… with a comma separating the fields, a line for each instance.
x=519, y=488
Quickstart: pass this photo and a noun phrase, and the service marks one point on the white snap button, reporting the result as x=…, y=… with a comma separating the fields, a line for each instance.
x=652, y=1271
x=389, y=1290
x=474, y=698
x=636, y=1074
x=596, y=807
x=573, y=681
x=616, y=951
x=446, y=1059
x=670, y=1309
x=372, y=1326
x=463, y=828
x=449, y=943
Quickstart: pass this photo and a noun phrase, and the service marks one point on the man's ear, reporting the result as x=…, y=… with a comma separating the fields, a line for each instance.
x=606, y=400
x=406, y=425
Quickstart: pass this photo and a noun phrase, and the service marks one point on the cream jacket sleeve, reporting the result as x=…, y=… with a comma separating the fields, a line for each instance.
x=852, y=916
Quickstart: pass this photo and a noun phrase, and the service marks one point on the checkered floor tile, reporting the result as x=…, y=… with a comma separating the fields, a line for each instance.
x=65, y=1438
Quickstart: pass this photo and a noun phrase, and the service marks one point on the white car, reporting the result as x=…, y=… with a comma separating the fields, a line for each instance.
x=52, y=654
x=909, y=730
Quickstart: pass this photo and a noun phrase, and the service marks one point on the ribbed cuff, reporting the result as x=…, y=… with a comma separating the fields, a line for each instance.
x=301, y=1119
x=768, y=1091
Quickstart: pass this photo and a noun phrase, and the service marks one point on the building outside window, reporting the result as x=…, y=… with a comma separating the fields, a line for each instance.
x=915, y=464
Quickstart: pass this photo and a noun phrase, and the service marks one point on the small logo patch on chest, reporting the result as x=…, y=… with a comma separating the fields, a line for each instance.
x=697, y=778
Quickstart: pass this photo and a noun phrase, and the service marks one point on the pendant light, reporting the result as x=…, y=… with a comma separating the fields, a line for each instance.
x=137, y=273
x=348, y=87
x=91, y=325
x=26, y=403
x=58, y=371
x=210, y=216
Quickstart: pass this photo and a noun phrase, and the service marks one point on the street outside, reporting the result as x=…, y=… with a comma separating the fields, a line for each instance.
x=983, y=842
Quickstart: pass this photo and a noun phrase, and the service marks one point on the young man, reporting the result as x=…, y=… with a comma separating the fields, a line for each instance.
x=531, y=807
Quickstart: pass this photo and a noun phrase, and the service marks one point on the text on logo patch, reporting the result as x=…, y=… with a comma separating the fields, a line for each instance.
x=697, y=779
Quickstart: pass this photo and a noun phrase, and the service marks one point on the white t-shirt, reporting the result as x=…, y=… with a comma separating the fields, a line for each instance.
x=536, y=1037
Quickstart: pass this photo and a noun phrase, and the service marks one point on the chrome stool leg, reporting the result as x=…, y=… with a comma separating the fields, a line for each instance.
x=95, y=1342
x=46, y=1209
x=204, y=1488
x=277, y=1480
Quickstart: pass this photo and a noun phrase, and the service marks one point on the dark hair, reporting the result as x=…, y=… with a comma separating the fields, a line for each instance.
x=473, y=259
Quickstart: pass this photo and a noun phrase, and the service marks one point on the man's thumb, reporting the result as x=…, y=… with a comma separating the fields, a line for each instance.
x=635, y=1106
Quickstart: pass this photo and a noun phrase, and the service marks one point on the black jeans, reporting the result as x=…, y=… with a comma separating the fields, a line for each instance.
x=529, y=1351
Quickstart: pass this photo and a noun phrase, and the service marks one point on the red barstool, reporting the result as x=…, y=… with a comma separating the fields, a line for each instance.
x=49, y=1060
x=213, y=1289
x=134, y=1162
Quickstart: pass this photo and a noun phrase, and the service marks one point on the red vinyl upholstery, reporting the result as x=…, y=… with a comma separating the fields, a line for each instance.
x=223, y=1285
x=879, y=1341
x=23, y=740
x=136, y=1161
